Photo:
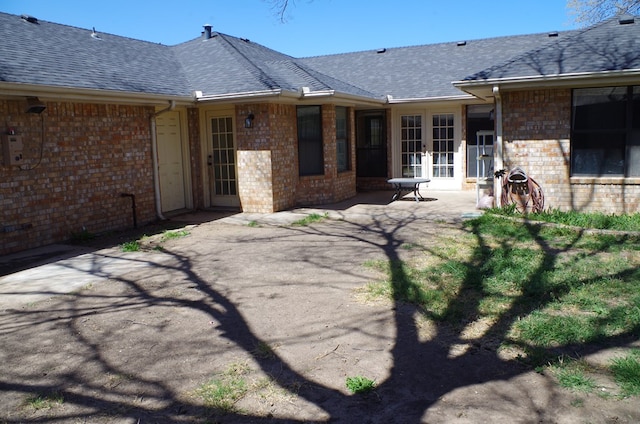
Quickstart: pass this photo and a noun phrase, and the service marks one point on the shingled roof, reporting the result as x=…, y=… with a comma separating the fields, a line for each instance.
x=426, y=71
x=609, y=48
x=224, y=65
x=44, y=53
x=40, y=53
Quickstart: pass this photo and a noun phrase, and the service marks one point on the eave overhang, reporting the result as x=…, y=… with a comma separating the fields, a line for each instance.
x=54, y=93
x=484, y=88
x=437, y=99
x=302, y=95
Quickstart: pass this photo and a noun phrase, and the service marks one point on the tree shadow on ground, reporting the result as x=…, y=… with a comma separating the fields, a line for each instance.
x=423, y=371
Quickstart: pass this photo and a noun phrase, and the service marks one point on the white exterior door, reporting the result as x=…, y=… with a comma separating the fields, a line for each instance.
x=221, y=161
x=171, y=168
x=430, y=148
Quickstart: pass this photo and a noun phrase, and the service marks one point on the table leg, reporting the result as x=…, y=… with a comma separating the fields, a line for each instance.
x=416, y=193
x=397, y=194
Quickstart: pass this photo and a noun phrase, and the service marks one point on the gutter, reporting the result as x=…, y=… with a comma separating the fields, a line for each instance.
x=551, y=80
x=154, y=157
x=57, y=93
x=247, y=95
x=390, y=100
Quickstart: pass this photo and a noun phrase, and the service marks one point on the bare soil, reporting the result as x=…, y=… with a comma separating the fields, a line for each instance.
x=279, y=307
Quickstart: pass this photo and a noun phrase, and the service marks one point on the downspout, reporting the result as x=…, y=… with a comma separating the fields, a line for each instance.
x=499, y=150
x=154, y=154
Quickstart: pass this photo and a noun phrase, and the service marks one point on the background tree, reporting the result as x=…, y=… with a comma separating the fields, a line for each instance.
x=280, y=7
x=593, y=11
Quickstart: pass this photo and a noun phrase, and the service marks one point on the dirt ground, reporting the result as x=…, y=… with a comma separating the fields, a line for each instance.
x=278, y=307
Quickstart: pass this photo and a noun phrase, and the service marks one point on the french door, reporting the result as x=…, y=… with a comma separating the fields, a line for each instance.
x=430, y=149
x=221, y=161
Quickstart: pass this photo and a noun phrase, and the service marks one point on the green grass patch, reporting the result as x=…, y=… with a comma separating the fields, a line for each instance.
x=575, y=379
x=169, y=235
x=540, y=287
x=360, y=385
x=45, y=401
x=222, y=392
x=594, y=220
x=310, y=219
x=130, y=246
x=626, y=372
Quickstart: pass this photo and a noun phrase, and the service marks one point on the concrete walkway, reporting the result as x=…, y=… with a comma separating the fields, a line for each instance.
x=61, y=269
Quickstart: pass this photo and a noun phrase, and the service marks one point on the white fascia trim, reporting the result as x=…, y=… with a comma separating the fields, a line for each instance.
x=556, y=79
x=54, y=93
x=305, y=93
x=391, y=100
x=247, y=95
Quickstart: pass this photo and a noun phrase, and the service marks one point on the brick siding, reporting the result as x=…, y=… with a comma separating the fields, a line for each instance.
x=73, y=175
x=536, y=133
x=268, y=176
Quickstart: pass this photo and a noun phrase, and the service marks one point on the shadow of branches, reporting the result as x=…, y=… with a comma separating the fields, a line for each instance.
x=137, y=345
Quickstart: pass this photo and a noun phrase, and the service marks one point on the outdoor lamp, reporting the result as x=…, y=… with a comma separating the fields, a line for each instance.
x=248, y=121
x=34, y=105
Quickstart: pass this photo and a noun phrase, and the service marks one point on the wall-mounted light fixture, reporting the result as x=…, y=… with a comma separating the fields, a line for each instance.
x=34, y=105
x=248, y=121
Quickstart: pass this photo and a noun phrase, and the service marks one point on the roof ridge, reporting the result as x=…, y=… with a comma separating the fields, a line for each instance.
x=263, y=76
x=442, y=43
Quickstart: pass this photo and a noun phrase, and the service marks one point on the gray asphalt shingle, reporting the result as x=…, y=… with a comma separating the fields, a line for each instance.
x=423, y=71
x=608, y=46
x=46, y=53
x=51, y=54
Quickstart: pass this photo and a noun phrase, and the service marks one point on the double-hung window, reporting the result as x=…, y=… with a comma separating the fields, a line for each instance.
x=342, y=138
x=605, y=132
x=310, y=156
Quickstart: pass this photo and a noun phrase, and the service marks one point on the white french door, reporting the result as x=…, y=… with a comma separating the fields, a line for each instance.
x=430, y=149
x=221, y=161
x=411, y=146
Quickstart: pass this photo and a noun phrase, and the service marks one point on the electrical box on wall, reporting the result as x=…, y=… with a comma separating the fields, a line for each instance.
x=12, y=149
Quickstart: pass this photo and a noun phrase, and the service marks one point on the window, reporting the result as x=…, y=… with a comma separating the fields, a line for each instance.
x=605, y=138
x=311, y=161
x=342, y=138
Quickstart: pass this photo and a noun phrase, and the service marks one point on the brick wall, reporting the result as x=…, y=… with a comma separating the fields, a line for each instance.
x=268, y=176
x=332, y=186
x=73, y=174
x=536, y=132
x=284, y=155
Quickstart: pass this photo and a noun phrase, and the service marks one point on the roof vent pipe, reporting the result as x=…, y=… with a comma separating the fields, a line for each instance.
x=207, y=31
x=626, y=19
